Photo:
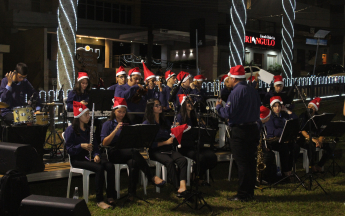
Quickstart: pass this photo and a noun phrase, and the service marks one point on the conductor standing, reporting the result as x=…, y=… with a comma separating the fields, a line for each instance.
x=242, y=110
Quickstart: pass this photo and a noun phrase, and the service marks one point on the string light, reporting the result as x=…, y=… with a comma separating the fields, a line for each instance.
x=288, y=33
x=66, y=5
x=238, y=15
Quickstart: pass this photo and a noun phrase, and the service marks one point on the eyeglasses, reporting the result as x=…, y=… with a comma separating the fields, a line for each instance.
x=157, y=105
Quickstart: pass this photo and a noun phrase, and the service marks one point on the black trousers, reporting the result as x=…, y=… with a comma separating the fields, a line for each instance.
x=135, y=161
x=99, y=169
x=207, y=158
x=8, y=118
x=169, y=161
x=286, y=152
x=328, y=149
x=243, y=144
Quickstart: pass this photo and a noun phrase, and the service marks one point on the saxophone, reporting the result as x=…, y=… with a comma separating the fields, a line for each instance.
x=260, y=166
x=92, y=127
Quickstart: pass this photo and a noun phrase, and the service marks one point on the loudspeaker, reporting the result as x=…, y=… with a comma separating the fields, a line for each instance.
x=200, y=25
x=21, y=157
x=47, y=205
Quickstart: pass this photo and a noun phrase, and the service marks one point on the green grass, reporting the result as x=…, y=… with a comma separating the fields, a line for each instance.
x=276, y=201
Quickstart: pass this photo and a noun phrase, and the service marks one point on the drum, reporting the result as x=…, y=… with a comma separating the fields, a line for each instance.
x=22, y=115
x=42, y=119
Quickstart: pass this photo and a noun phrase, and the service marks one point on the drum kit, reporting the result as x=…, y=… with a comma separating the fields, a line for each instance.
x=24, y=115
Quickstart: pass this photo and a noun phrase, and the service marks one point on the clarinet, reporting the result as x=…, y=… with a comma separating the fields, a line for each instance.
x=91, y=129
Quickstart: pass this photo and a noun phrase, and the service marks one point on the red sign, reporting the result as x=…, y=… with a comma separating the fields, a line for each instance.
x=260, y=41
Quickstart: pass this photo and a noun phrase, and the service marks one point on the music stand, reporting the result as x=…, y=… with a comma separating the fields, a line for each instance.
x=334, y=129
x=103, y=99
x=318, y=122
x=290, y=131
x=144, y=136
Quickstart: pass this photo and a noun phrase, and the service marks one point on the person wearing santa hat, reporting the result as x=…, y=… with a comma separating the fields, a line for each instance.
x=242, y=111
x=163, y=150
x=111, y=131
x=187, y=115
x=120, y=78
x=129, y=90
x=80, y=91
x=185, y=79
x=153, y=83
x=275, y=127
x=170, y=78
x=278, y=89
x=253, y=81
x=197, y=85
x=317, y=140
x=78, y=146
x=225, y=92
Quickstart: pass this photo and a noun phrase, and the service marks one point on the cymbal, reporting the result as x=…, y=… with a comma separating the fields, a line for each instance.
x=3, y=105
x=53, y=104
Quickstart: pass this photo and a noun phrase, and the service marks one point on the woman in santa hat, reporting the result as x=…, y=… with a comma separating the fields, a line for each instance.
x=121, y=77
x=111, y=130
x=162, y=149
x=318, y=141
x=208, y=158
x=80, y=92
x=275, y=126
x=77, y=141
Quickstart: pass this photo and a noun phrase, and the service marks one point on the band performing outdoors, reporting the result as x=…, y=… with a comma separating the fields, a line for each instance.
x=173, y=122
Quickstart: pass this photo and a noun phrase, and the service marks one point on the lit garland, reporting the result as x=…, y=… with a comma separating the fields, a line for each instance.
x=288, y=33
x=66, y=36
x=238, y=15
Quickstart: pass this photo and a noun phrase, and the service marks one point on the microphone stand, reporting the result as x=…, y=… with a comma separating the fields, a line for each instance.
x=309, y=176
x=199, y=201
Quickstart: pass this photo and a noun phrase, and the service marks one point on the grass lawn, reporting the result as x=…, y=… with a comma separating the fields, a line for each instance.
x=276, y=201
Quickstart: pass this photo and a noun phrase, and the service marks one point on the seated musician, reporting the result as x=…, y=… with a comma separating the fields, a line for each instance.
x=207, y=158
x=254, y=81
x=275, y=127
x=110, y=133
x=185, y=87
x=225, y=92
x=80, y=92
x=162, y=149
x=120, y=78
x=77, y=139
x=278, y=88
x=197, y=85
x=318, y=141
x=170, y=78
x=152, y=83
x=131, y=92
x=14, y=89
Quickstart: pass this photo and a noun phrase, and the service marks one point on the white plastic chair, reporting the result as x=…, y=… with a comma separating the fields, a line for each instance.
x=85, y=174
x=231, y=159
x=306, y=159
x=190, y=170
x=118, y=168
x=160, y=170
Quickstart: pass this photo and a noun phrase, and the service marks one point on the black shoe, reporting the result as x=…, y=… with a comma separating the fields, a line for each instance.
x=238, y=198
x=183, y=194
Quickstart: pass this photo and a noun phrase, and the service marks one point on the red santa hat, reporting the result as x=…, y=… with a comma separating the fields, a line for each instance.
x=278, y=80
x=134, y=71
x=226, y=76
x=264, y=112
x=275, y=99
x=82, y=75
x=120, y=71
x=79, y=109
x=169, y=74
x=147, y=73
x=119, y=103
x=253, y=79
x=182, y=98
x=181, y=75
x=199, y=78
x=178, y=131
x=237, y=72
x=316, y=103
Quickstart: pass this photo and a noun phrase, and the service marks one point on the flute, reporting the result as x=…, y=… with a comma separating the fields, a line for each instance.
x=91, y=129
